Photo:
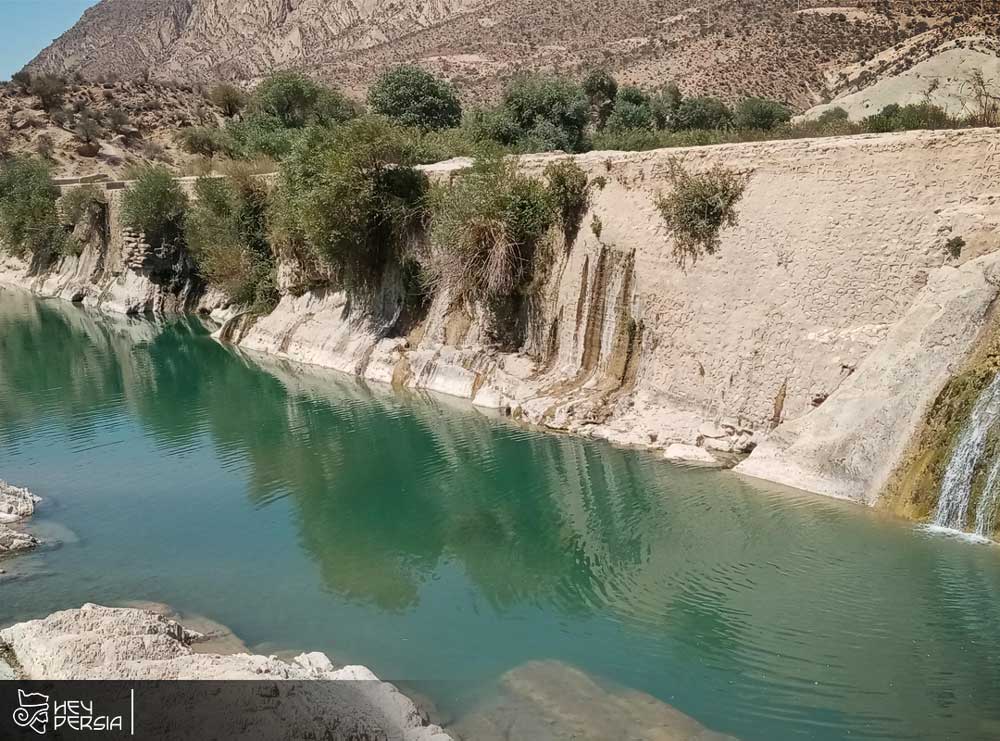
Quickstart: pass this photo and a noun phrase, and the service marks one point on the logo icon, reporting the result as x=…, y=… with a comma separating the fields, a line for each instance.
x=33, y=712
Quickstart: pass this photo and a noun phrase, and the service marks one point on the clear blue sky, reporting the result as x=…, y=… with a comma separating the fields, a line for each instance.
x=28, y=26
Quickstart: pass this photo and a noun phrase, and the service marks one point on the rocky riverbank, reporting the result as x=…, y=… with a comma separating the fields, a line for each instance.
x=310, y=698
x=139, y=643
x=106, y=643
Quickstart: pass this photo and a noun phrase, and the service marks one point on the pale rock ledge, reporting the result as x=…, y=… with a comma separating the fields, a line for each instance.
x=104, y=643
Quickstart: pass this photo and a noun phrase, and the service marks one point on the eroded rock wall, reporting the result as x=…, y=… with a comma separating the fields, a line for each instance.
x=116, y=269
x=816, y=335
x=839, y=258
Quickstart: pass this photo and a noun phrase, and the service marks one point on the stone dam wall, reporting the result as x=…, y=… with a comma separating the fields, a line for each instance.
x=816, y=336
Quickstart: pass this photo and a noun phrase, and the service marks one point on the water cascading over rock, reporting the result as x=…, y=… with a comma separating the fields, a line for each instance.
x=957, y=485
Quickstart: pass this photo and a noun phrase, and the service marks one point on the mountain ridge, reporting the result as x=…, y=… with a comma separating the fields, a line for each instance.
x=791, y=50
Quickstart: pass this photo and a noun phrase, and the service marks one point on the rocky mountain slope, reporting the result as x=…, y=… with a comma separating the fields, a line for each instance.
x=136, y=121
x=801, y=51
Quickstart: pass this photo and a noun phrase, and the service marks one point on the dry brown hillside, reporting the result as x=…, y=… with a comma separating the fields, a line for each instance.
x=800, y=51
x=132, y=122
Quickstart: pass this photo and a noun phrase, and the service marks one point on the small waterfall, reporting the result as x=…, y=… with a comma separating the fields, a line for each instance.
x=987, y=507
x=956, y=487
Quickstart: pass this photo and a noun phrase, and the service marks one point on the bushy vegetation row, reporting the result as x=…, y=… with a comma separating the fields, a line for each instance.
x=350, y=198
x=536, y=113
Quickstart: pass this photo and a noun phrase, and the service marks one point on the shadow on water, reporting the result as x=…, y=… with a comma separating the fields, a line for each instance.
x=449, y=544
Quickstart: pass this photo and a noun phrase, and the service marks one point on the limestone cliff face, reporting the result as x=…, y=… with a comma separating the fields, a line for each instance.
x=816, y=337
x=819, y=332
x=116, y=270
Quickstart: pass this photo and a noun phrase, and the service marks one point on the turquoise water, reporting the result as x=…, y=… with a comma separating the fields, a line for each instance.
x=430, y=542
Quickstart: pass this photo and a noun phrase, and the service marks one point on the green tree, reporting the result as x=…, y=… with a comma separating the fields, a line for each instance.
x=154, y=204
x=228, y=98
x=22, y=78
x=665, y=104
x=414, y=97
x=29, y=215
x=549, y=108
x=601, y=89
x=258, y=134
x=632, y=110
x=833, y=115
x=49, y=89
x=295, y=101
x=207, y=141
x=760, y=114
x=702, y=113
x=87, y=128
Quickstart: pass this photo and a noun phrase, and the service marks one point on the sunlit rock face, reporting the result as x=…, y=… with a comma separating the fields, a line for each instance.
x=815, y=337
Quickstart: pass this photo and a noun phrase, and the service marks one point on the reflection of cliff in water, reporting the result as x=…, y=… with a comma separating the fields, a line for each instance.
x=83, y=362
x=697, y=574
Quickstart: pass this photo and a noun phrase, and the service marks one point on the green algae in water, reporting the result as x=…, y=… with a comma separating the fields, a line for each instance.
x=436, y=545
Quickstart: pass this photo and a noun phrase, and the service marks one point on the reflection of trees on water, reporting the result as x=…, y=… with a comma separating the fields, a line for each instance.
x=389, y=490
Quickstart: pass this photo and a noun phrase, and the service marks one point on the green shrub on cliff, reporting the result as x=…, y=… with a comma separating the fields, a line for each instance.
x=487, y=232
x=570, y=193
x=353, y=197
x=226, y=232
x=29, y=214
x=698, y=206
x=85, y=202
x=154, y=203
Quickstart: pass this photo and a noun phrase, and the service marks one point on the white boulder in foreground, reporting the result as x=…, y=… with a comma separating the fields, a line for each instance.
x=96, y=642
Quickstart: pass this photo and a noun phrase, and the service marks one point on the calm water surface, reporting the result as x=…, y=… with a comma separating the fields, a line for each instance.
x=412, y=534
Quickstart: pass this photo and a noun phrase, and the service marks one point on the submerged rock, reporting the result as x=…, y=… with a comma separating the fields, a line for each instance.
x=96, y=642
x=12, y=541
x=207, y=635
x=553, y=701
x=681, y=453
x=16, y=503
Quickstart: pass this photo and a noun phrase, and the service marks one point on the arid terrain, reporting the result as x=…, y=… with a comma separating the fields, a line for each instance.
x=135, y=122
x=803, y=52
